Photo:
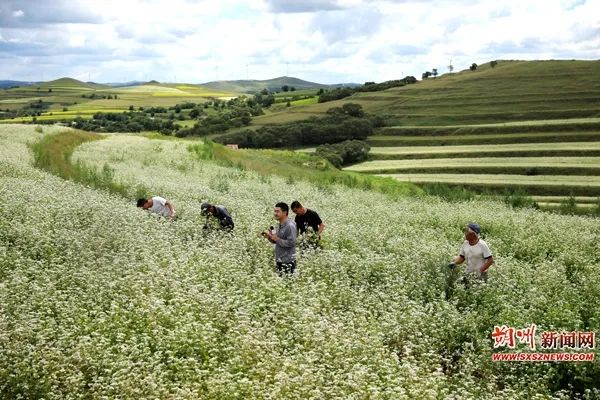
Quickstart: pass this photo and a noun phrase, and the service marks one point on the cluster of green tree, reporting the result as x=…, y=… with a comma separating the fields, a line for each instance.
x=334, y=94
x=434, y=72
x=376, y=87
x=265, y=98
x=341, y=123
x=33, y=109
x=183, y=106
x=340, y=93
x=234, y=113
x=344, y=153
x=286, y=88
x=125, y=122
x=427, y=74
x=99, y=96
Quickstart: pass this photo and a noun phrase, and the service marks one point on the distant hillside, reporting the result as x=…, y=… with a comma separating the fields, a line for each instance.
x=9, y=83
x=124, y=84
x=70, y=83
x=511, y=91
x=245, y=86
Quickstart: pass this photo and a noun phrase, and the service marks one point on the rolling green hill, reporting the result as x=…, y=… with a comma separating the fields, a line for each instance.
x=71, y=84
x=512, y=91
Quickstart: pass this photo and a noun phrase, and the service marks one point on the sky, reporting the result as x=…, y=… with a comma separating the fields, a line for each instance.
x=326, y=41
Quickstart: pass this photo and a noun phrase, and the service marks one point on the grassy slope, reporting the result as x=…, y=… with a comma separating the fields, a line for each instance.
x=513, y=90
x=516, y=110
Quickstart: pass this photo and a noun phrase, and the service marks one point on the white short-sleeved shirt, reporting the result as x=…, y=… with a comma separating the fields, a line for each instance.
x=475, y=255
x=159, y=207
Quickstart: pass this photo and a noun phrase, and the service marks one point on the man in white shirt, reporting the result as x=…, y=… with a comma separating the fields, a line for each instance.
x=158, y=205
x=475, y=252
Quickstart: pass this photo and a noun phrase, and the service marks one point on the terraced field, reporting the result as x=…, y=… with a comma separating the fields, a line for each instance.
x=538, y=163
x=516, y=165
x=486, y=132
x=565, y=185
x=512, y=149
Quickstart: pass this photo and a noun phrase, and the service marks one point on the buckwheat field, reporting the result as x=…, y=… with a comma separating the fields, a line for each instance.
x=100, y=299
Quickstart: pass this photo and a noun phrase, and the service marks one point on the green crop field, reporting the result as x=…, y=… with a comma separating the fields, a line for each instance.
x=542, y=165
x=491, y=138
x=101, y=299
x=513, y=148
x=538, y=184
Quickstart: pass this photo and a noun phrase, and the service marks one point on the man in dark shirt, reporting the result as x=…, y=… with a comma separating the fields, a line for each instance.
x=220, y=213
x=306, y=220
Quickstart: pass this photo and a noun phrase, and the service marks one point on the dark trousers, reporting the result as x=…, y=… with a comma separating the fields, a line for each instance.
x=227, y=225
x=286, y=268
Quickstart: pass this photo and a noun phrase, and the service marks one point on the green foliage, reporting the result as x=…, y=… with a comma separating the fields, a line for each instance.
x=340, y=93
x=344, y=153
x=337, y=126
x=234, y=113
x=519, y=198
x=449, y=192
x=53, y=153
x=125, y=122
x=299, y=166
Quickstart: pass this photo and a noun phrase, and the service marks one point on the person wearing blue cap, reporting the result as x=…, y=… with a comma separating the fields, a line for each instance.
x=475, y=252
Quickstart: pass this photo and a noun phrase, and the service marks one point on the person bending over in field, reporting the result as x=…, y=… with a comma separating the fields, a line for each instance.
x=308, y=223
x=284, y=239
x=220, y=213
x=158, y=205
x=475, y=252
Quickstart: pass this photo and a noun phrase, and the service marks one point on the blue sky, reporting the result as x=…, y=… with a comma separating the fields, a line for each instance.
x=326, y=41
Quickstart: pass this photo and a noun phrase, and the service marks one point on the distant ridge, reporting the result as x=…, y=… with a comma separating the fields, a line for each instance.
x=71, y=83
x=254, y=85
x=11, y=83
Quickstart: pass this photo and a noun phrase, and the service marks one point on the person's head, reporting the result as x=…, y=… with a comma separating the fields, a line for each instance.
x=143, y=203
x=281, y=211
x=207, y=208
x=297, y=208
x=472, y=232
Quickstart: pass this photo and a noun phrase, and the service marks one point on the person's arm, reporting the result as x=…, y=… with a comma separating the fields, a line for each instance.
x=487, y=264
x=320, y=224
x=287, y=239
x=489, y=259
x=458, y=259
x=170, y=207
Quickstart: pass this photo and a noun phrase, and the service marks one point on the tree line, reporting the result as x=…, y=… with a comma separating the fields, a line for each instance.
x=340, y=93
x=348, y=122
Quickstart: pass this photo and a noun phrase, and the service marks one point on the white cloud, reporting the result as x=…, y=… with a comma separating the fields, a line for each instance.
x=327, y=41
x=18, y=14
